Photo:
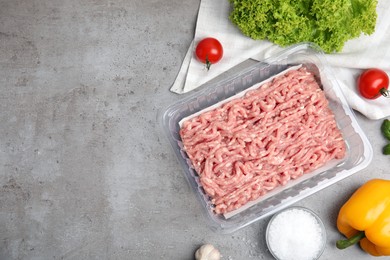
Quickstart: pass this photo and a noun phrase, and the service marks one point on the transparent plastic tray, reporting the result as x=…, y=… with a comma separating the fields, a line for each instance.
x=358, y=153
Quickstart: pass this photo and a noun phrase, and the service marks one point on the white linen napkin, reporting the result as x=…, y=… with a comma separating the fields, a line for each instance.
x=361, y=53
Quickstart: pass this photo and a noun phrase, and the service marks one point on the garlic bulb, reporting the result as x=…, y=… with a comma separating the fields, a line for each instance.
x=207, y=252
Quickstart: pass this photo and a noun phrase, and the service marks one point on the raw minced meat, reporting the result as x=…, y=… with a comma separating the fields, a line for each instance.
x=252, y=144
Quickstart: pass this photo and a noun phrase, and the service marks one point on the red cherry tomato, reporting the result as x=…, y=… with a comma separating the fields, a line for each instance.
x=209, y=51
x=373, y=83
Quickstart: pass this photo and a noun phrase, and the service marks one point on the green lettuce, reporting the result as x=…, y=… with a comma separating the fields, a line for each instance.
x=327, y=23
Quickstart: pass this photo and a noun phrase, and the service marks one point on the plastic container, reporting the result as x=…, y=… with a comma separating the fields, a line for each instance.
x=358, y=154
x=299, y=237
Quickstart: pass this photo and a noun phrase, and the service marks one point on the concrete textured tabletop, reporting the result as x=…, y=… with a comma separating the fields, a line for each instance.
x=85, y=172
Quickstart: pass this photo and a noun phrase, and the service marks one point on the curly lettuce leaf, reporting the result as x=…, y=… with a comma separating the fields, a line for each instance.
x=328, y=23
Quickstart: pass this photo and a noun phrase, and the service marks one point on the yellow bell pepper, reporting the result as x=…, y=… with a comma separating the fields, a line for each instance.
x=365, y=217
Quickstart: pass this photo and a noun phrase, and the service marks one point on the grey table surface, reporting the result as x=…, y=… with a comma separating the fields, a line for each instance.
x=85, y=172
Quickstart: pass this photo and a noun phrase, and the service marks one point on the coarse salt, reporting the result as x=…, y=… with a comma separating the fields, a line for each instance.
x=295, y=234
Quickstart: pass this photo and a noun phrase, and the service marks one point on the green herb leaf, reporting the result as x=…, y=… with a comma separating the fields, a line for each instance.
x=386, y=149
x=385, y=128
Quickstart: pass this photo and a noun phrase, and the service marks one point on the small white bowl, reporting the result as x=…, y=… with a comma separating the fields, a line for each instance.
x=293, y=235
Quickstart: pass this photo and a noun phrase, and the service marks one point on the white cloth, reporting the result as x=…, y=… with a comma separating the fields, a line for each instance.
x=360, y=53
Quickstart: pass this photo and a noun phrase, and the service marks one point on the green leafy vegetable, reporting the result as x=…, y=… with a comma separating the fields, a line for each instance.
x=386, y=149
x=385, y=128
x=328, y=23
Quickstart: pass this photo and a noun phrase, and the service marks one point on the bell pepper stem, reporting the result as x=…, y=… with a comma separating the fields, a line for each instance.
x=344, y=243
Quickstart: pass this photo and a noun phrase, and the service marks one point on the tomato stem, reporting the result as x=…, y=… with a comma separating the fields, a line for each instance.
x=385, y=92
x=208, y=63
